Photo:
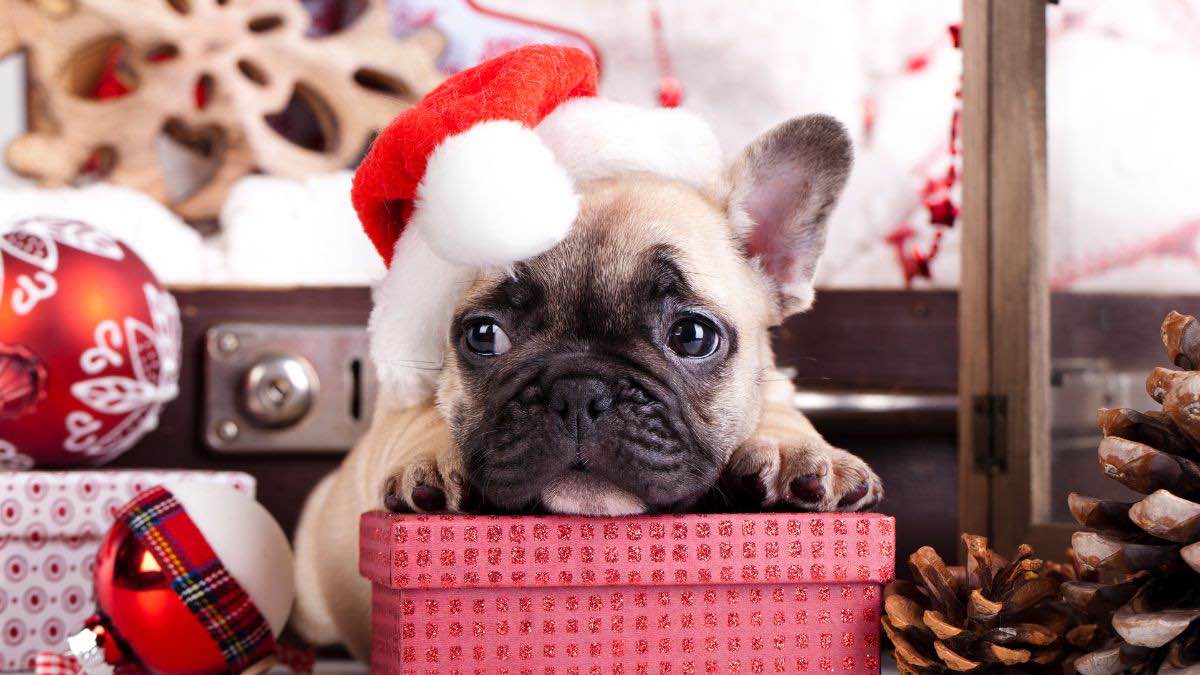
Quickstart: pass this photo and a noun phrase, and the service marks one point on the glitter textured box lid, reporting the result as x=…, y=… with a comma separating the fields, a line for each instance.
x=426, y=552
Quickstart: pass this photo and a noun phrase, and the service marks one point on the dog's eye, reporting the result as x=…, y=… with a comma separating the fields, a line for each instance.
x=693, y=338
x=486, y=338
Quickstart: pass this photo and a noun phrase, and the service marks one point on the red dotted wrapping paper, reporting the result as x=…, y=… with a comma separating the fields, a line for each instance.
x=51, y=523
x=556, y=595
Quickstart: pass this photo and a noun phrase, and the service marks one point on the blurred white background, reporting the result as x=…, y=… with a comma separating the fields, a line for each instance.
x=1124, y=209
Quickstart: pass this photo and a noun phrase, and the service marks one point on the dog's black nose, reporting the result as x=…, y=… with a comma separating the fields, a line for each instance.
x=580, y=402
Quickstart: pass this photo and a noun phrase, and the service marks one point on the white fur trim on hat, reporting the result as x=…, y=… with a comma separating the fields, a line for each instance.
x=493, y=195
x=410, y=322
x=596, y=138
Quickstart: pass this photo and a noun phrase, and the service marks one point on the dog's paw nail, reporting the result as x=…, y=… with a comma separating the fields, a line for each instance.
x=749, y=492
x=428, y=498
x=753, y=487
x=854, y=495
x=875, y=500
x=808, y=488
x=392, y=501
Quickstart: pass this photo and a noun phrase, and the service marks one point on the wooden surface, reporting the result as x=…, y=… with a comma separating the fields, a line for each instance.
x=974, y=293
x=1120, y=328
x=1005, y=320
x=873, y=340
x=253, y=59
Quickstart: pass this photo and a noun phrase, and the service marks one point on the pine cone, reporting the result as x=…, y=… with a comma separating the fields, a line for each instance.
x=993, y=616
x=1151, y=548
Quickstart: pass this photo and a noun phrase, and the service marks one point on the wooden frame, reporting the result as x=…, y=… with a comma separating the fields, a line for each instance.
x=1004, y=320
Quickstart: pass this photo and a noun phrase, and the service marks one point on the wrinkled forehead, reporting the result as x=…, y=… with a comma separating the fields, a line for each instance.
x=636, y=238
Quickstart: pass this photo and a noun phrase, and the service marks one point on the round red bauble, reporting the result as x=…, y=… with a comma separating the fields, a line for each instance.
x=152, y=623
x=89, y=345
x=211, y=597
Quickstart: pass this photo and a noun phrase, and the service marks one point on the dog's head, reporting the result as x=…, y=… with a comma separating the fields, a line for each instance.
x=618, y=371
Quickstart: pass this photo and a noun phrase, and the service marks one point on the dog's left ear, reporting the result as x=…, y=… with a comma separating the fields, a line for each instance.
x=780, y=193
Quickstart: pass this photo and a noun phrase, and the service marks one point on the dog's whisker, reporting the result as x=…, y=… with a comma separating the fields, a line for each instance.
x=417, y=361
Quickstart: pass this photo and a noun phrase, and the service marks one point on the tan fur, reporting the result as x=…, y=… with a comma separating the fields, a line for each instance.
x=619, y=219
x=332, y=603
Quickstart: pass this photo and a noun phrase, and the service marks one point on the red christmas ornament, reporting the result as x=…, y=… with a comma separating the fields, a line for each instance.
x=112, y=82
x=191, y=579
x=148, y=616
x=89, y=345
x=22, y=380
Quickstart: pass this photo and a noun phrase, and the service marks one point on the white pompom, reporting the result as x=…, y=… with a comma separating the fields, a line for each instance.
x=494, y=195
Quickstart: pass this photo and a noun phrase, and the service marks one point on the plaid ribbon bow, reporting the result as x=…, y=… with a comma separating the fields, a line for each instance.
x=160, y=524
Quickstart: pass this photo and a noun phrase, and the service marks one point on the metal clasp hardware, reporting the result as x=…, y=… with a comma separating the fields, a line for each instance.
x=991, y=433
x=286, y=387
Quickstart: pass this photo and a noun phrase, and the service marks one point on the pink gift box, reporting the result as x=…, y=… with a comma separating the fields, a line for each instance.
x=752, y=593
x=51, y=523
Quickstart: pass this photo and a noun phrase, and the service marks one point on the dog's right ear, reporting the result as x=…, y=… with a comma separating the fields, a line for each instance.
x=779, y=195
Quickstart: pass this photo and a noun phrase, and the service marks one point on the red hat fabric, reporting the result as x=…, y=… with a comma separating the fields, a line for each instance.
x=523, y=85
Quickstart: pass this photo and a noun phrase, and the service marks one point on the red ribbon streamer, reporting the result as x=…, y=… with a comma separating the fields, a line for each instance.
x=670, y=91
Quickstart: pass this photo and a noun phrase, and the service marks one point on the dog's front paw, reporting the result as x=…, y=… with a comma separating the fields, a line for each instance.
x=826, y=478
x=429, y=484
x=806, y=475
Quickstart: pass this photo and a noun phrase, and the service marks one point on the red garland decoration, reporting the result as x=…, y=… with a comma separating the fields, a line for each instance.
x=670, y=91
x=937, y=198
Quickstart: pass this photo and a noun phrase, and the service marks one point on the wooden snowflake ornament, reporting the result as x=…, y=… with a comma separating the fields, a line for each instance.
x=218, y=78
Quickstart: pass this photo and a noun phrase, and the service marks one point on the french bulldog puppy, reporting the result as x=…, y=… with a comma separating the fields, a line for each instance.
x=626, y=370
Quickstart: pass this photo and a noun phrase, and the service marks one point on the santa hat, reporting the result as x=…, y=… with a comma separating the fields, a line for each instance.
x=481, y=173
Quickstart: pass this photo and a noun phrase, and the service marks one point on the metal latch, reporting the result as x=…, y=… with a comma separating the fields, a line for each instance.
x=286, y=388
x=991, y=432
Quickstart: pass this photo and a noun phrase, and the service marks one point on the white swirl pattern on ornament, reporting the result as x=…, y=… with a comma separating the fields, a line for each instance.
x=11, y=459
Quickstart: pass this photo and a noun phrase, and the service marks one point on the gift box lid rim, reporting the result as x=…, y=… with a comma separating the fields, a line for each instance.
x=59, y=533
x=381, y=554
